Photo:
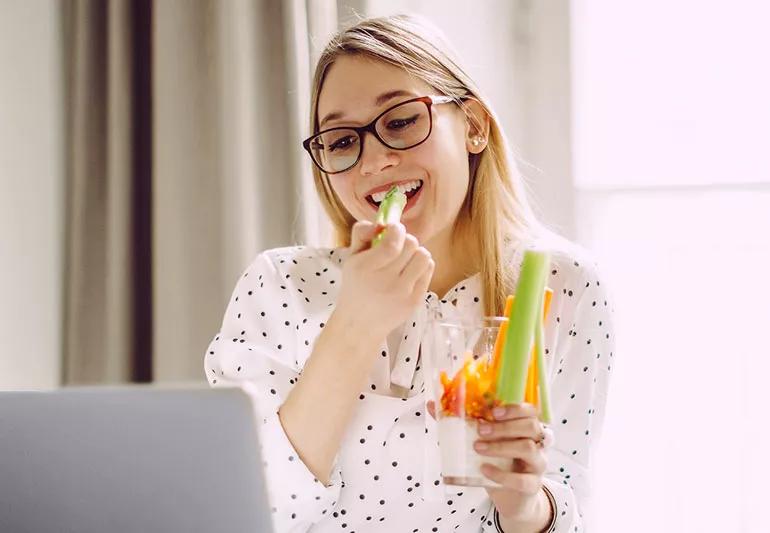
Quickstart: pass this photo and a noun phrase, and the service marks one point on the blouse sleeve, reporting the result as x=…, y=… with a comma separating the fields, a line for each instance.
x=255, y=349
x=580, y=371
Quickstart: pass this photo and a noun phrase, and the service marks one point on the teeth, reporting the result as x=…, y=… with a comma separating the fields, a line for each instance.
x=404, y=188
x=379, y=196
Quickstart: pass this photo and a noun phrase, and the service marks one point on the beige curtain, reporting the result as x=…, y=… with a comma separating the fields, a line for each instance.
x=184, y=122
x=107, y=311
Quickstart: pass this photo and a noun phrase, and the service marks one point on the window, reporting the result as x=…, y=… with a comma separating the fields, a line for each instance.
x=671, y=132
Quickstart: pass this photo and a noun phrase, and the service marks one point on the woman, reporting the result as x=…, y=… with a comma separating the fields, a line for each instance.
x=327, y=341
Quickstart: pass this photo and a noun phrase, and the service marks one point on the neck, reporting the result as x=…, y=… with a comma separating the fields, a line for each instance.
x=455, y=258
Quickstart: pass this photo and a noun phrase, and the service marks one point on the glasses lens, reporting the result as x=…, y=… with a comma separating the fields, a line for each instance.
x=405, y=126
x=336, y=150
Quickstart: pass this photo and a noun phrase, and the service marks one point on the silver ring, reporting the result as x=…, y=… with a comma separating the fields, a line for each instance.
x=546, y=438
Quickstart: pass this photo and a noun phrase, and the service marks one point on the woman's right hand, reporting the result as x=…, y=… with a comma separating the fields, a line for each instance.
x=381, y=286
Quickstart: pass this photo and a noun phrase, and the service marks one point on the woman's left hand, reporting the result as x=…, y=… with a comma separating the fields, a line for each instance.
x=517, y=434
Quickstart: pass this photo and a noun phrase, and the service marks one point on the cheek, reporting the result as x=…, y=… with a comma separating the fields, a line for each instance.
x=446, y=145
x=446, y=159
x=449, y=132
x=343, y=188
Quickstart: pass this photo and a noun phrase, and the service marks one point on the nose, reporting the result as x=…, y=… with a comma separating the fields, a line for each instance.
x=375, y=156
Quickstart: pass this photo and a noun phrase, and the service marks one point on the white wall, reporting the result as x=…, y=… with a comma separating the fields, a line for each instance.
x=31, y=178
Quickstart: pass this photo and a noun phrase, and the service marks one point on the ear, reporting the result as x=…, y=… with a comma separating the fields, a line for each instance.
x=476, y=126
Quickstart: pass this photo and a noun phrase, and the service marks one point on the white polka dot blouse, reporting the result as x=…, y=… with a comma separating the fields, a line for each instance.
x=386, y=477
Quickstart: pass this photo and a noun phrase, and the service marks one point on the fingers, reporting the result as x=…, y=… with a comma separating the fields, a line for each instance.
x=420, y=264
x=529, y=428
x=548, y=438
x=361, y=235
x=524, y=449
x=398, y=252
x=513, y=411
x=518, y=481
x=431, y=406
x=399, y=263
x=516, y=434
x=423, y=282
x=388, y=250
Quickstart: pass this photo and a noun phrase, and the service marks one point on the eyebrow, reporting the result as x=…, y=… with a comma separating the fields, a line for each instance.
x=381, y=99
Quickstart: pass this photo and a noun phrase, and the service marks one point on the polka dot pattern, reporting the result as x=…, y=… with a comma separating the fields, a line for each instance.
x=387, y=476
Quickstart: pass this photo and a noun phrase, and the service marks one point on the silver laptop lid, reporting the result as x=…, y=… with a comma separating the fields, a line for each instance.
x=143, y=459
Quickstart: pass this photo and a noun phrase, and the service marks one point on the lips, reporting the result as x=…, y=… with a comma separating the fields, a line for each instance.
x=409, y=188
x=388, y=186
x=411, y=201
x=412, y=197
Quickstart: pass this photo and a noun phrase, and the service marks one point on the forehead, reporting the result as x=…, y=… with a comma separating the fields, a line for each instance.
x=353, y=83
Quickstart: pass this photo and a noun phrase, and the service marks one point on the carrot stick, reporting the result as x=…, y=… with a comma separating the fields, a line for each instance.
x=533, y=395
x=531, y=392
x=542, y=374
x=500, y=340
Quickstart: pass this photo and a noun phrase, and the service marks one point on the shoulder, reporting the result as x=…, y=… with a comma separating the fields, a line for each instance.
x=574, y=259
x=573, y=266
x=311, y=276
x=299, y=258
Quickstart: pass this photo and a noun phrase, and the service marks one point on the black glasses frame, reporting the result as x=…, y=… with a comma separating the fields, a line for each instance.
x=427, y=100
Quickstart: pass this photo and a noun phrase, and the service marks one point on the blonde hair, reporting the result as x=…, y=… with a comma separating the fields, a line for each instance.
x=495, y=211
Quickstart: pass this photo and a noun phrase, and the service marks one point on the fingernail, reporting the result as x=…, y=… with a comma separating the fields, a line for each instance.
x=498, y=412
x=485, y=429
x=481, y=445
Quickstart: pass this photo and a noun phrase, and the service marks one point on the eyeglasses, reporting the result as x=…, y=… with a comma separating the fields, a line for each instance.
x=400, y=127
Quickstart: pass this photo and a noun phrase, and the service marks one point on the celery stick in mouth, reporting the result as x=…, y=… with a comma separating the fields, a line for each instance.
x=389, y=212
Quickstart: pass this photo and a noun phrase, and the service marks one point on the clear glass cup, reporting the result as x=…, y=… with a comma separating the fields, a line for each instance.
x=462, y=385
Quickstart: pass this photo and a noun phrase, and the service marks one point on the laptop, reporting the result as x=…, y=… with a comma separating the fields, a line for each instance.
x=130, y=459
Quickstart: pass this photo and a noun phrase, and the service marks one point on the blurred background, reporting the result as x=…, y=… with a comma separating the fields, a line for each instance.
x=149, y=149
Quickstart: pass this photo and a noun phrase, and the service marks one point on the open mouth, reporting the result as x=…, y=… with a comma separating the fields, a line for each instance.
x=409, y=189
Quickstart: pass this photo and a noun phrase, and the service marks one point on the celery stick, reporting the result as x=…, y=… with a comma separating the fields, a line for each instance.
x=542, y=375
x=526, y=311
x=389, y=212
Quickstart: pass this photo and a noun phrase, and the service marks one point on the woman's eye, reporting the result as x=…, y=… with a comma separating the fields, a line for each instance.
x=341, y=143
x=401, y=123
